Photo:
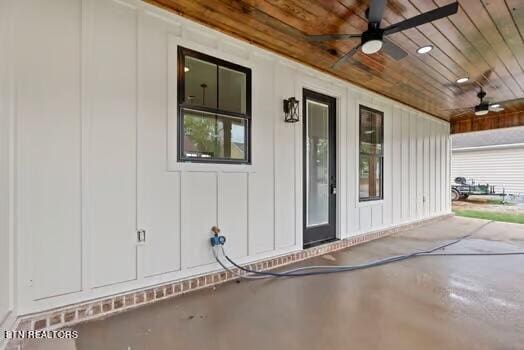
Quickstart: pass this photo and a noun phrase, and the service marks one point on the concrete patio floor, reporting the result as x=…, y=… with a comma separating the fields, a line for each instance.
x=422, y=303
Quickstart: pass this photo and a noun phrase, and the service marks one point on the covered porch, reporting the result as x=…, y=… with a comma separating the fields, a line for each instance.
x=452, y=302
x=132, y=132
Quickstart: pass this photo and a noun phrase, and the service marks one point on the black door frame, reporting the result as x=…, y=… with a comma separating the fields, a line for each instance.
x=324, y=233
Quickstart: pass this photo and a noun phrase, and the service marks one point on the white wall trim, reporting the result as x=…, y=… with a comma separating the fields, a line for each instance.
x=339, y=93
x=175, y=41
x=387, y=116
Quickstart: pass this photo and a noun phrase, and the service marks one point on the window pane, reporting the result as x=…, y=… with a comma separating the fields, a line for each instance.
x=317, y=167
x=371, y=133
x=200, y=82
x=212, y=136
x=370, y=177
x=364, y=176
x=232, y=90
x=371, y=150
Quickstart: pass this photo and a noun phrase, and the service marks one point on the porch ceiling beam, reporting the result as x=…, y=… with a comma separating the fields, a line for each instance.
x=491, y=121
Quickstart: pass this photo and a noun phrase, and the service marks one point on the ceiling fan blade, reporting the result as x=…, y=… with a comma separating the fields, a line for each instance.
x=391, y=49
x=330, y=37
x=346, y=56
x=464, y=111
x=457, y=112
x=497, y=109
x=423, y=18
x=460, y=110
x=376, y=10
x=515, y=100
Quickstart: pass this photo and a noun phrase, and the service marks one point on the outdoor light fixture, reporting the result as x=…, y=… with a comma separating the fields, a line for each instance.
x=462, y=80
x=291, y=110
x=425, y=49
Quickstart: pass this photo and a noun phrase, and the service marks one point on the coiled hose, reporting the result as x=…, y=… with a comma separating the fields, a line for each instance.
x=328, y=269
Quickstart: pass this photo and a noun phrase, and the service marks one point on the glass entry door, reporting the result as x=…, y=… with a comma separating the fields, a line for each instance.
x=319, y=168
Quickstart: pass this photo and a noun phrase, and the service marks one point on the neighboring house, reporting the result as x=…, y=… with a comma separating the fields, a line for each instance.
x=494, y=156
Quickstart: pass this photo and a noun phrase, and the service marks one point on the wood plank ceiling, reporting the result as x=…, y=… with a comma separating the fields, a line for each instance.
x=483, y=41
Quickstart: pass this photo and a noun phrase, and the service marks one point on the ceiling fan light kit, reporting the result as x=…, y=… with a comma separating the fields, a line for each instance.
x=481, y=110
x=372, y=39
x=372, y=46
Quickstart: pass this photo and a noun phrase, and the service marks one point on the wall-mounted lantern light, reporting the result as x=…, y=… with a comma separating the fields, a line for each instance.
x=291, y=110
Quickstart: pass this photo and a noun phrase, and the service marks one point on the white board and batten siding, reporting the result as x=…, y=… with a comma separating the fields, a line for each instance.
x=501, y=166
x=94, y=128
x=6, y=177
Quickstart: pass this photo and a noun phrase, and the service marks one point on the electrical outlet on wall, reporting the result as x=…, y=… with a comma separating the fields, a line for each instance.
x=141, y=236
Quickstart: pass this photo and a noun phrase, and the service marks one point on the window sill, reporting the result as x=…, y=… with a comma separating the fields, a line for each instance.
x=212, y=162
x=369, y=203
x=204, y=166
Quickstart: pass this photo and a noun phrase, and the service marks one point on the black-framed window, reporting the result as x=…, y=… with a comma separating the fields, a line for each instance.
x=371, y=154
x=214, y=109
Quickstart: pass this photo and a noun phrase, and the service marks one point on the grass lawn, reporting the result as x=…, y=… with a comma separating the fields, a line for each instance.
x=487, y=215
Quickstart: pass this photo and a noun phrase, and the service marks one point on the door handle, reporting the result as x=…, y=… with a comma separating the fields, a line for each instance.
x=333, y=189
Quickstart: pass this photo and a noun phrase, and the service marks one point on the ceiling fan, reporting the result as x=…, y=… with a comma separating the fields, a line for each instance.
x=372, y=40
x=484, y=107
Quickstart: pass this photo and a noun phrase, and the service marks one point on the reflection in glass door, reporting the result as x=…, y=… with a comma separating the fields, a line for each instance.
x=319, y=168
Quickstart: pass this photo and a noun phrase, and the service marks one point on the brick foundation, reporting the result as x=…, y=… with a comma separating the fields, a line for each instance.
x=73, y=314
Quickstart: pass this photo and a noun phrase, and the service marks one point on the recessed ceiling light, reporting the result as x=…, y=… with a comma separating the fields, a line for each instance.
x=462, y=80
x=495, y=105
x=425, y=49
x=186, y=69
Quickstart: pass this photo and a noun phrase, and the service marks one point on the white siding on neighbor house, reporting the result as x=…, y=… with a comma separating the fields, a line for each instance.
x=502, y=166
x=96, y=94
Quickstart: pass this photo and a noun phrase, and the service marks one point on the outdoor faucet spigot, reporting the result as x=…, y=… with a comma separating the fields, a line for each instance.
x=216, y=239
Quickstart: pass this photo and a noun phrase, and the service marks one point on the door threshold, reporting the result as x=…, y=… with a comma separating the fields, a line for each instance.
x=317, y=243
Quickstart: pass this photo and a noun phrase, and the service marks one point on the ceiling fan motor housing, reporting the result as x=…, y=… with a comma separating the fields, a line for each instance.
x=482, y=109
x=372, y=34
x=372, y=40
